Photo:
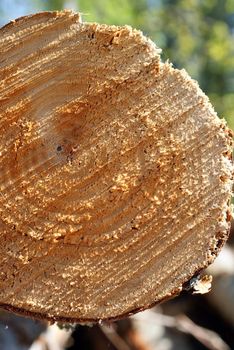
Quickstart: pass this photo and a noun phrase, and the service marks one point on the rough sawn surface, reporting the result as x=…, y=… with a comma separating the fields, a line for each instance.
x=115, y=172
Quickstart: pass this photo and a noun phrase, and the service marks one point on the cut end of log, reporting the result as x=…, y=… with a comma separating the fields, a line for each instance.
x=115, y=171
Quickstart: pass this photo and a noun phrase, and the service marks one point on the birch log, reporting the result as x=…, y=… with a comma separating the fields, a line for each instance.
x=115, y=171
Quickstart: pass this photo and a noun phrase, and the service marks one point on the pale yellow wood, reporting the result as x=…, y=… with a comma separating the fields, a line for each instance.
x=115, y=172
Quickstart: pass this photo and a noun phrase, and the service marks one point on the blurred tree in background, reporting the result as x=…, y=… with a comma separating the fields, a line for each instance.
x=194, y=34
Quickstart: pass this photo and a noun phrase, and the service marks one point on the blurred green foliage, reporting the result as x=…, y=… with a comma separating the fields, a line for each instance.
x=52, y=4
x=197, y=35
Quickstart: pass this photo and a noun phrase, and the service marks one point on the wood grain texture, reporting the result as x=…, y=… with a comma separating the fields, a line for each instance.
x=115, y=172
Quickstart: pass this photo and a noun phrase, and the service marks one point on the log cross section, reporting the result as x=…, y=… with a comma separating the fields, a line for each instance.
x=115, y=171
